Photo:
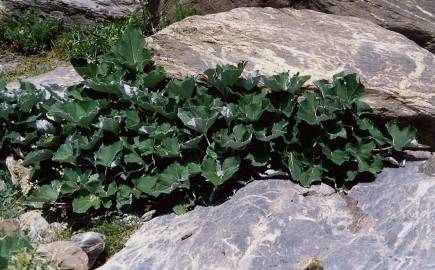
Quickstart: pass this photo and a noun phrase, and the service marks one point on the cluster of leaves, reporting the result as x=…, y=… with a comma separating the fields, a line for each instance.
x=91, y=40
x=29, y=33
x=127, y=134
x=11, y=245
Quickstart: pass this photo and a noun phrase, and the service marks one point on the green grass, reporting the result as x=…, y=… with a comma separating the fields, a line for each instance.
x=117, y=233
x=181, y=12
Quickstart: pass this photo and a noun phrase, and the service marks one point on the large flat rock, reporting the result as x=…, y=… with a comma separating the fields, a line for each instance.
x=399, y=75
x=412, y=18
x=62, y=76
x=272, y=224
x=76, y=10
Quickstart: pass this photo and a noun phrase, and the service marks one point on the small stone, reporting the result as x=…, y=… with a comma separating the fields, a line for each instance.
x=63, y=255
x=10, y=226
x=2, y=186
x=92, y=243
x=36, y=227
x=148, y=216
x=312, y=263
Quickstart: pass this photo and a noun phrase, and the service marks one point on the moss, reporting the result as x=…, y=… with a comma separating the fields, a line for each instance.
x=117, y=232
x=33, y=65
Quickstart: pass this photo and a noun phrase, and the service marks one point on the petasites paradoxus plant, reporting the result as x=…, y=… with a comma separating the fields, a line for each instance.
x=128, y=135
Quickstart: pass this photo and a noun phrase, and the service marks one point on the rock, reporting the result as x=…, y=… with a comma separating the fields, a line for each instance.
x=92, y=243
x=274, y=224
x=20, y=175
x=63, y=255
x=167, y=8
x=10, y=226
x=62, y=76
x=36, y=227
x=398, y=74
x=78, y=11
x=2, y=186
x=413, y=18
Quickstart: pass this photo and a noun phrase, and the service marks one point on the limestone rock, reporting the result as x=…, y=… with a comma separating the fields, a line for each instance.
x=63, y=255
x=80, y=11
x=36, y=227
x=274, y=224
x=92, y=243
x=10, y=226
x=62, y=76
x=20, y=175
x=397, y=73
x=413, y=18
x=167, y=8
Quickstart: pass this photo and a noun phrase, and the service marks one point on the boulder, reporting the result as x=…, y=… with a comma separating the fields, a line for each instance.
x=78, y=11
x=167, y=8
x=276, y=224
x=62, y=76
x=397, y=73
x=36, y=227
x=413, y=18
x=63, y=255
x=92, y=243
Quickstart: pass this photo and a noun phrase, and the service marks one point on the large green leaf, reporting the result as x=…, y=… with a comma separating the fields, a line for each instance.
x=216, y=172
x=183, y=89
x=302, y=171
x=37, y=156
x=281, y=82
x=66, y=154
x=107, y=154
x=225, y=76
x=239, y=138
x=278, y=129
x=400, y=136
x=252, y=106
x=44, y=194
x=80, y=113
x=308, y=109
x=198, y=118
x=130, y=50
x=83, y=203
x=349, y=89
x=169, y=147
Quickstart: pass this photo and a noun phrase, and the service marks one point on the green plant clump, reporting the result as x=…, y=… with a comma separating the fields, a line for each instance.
x=129, y=136
x=181, y=12
x=29, y=33
x=90, y=41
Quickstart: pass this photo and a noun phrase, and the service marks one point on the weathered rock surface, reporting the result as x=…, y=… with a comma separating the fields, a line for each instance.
x=63, y=255
x=76, y=10
x=167, y=8
x=62, y=76
x=92, y=243
x=276, y=224
x=412, y=18
x=398, y=74
x=36, y=227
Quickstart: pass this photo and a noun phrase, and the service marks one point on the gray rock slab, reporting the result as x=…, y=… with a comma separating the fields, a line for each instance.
x=62, y=76
x=79, y=11
x=413, y=18
x=272, y=224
